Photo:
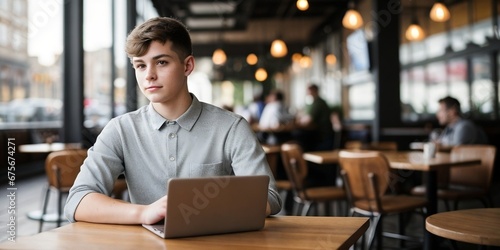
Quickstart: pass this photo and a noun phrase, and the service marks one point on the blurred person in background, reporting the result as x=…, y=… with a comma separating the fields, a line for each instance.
x=457, y=130
x=256, y=107
x=315, y=127
x=275, y=122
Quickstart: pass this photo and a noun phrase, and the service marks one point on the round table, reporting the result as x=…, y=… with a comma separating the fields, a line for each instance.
x=477, y=226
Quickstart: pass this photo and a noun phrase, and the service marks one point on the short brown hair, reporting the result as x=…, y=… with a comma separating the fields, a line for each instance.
x=160, y=29
x=451, y=103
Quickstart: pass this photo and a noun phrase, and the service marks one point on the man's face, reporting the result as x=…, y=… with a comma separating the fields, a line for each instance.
x=161, y=74
x=444, y=115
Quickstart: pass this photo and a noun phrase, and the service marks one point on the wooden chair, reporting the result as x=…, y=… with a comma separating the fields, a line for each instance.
x=367, y=178
x=272, y=155
x=61, y=168
x=296, y=170
x=467, y=183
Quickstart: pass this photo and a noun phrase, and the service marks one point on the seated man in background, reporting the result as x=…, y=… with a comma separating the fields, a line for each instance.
x=175, y=135
x=458, y=130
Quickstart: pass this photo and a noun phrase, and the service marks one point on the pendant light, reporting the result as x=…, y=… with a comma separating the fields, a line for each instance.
x=302, y=5
x=305, y=62
x=439, y=12
x=278, y=48
x=252, y=59
x=261, y=74
x=352, y=19
x=296, y=57
x=219, y=57
x=414, y=32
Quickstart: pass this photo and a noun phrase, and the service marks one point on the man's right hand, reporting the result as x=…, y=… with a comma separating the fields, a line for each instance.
x=154, y=212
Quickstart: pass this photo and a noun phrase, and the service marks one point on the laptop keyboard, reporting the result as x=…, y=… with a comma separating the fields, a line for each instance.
x=158, y=228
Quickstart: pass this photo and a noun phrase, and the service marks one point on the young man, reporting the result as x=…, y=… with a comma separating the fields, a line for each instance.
x=458, y=130
x=174, y=136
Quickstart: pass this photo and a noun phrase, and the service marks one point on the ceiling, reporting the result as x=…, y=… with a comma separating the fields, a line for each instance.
x=249, y=26
x=241, y=27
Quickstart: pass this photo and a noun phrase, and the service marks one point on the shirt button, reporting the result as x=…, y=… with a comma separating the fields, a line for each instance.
x=171, y=158
x=171, y=135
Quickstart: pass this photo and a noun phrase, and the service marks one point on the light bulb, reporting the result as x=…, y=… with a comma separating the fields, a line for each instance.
x=261, y=74
x=439, y=13
x=219, y=57
x=252, y=59
x=278, y=48
x=302, y=5
x=414, y=32
x=352, y=20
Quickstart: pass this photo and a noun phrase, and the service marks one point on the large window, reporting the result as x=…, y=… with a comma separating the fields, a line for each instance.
x=458, y=87
x=361, y=101
x=30, y=63
x=98, y=63
x=482, y=91
x=464, y=72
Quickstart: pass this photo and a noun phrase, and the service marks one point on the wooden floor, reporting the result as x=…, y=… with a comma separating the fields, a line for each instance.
x=31, y=190
x=29, y=197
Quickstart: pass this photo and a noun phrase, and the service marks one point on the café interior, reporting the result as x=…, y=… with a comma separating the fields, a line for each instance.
x=381, y=66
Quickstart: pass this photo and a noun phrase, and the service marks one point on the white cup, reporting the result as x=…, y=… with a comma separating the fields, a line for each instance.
x=429, y=150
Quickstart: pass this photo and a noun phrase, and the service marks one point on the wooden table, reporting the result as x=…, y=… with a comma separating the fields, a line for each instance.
x=420, y=146
x=282, y=232
x=322, y=157
x=408, y=160
x=48, y=147
x=477, y=226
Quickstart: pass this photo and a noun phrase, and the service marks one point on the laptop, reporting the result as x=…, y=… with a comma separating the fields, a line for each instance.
x=213, y=205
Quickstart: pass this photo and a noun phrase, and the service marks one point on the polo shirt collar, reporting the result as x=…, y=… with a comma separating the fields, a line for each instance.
x=186, y=120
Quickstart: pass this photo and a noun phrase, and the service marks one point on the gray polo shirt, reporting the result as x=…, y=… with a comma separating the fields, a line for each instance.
x=462, y=132
x=149, y=150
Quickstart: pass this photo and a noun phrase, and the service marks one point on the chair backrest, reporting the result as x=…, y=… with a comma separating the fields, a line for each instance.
x=353, y=145
x=479, y=175
x=295, y=166
x=367, y=176
x=383, y=146
x=62, y=167
x=272, y=153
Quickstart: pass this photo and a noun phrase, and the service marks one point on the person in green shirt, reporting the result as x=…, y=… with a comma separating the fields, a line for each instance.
x=316, y=130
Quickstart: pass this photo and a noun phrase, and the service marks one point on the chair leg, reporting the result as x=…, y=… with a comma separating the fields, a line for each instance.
x=374, y=232
x=44, y=209
x=305, y=209
x=401, y=228
x=296, y=208
x=59, y=207
x=487, y=201
x=378, y=233
x=447, y=205
x=455, y=205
